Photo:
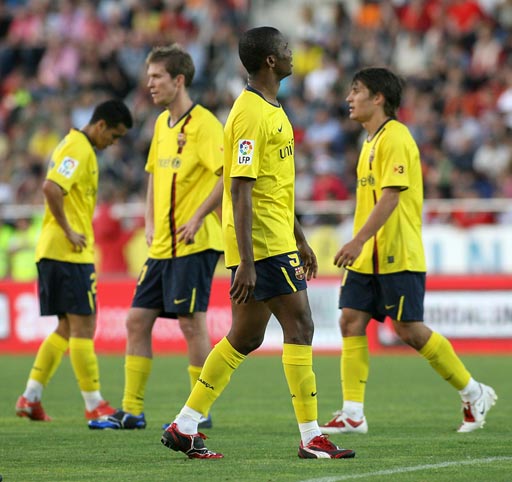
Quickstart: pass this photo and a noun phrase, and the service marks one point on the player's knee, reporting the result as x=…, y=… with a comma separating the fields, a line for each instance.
x=409, y=337
x=247, y=344
x=414, y=334
x=136, y=327
x=352, y=326
x=301, y=333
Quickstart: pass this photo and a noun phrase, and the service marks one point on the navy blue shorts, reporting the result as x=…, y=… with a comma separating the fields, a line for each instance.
x=66, y=288
x=176, y=286
x=278, y=275
x=397, y=295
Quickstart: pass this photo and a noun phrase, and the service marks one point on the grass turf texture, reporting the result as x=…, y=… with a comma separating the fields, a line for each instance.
x=412, y=417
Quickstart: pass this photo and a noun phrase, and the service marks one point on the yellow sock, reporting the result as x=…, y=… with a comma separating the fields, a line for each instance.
x=85, y=364
x=298, y=369
x=355, y=366
x=48, y=358
x=222, y=361
x=193, y=373
x=136, y=373
x=443, y=359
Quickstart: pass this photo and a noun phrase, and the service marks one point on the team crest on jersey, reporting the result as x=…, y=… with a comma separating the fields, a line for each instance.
x=176, y=163
x=245, y=152
x=299, y=273
x=182, y=140
x=67, y=167
x=372, y=156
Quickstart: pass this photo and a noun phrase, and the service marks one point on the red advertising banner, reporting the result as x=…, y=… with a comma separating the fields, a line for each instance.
x=474, y=312
x=22, y=329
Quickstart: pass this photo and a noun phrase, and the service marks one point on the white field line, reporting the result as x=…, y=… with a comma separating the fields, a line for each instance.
x=415, y=468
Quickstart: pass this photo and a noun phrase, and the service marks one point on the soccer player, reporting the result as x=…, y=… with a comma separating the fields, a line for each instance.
x=266, y=251
x=385, y=260
x=182, y=230
x=65, y=261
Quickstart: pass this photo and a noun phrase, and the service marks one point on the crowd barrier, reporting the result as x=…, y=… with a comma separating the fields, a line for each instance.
x=474, y=312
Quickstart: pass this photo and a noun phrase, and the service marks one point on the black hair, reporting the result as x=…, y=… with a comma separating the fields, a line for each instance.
x=176, y=60
x=113, y=112
x=382, y=80
x=255, y=45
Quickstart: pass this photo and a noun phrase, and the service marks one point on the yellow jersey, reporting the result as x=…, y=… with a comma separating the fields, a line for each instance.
x=74, y=167
x=258, y=140
x=391, y=159
x=185, y=161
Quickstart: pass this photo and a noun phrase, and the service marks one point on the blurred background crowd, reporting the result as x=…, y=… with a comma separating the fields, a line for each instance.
x=59, y=58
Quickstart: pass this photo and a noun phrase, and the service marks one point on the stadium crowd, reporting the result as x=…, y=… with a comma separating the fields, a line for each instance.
x=58, y=58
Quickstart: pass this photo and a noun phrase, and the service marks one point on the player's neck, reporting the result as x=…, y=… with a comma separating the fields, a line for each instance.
x=267, y=91
x=178, y=108
x=374, y=125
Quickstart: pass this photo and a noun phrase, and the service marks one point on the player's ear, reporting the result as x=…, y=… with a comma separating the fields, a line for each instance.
x=180, y=79
x=379, y=99
x=99, y=127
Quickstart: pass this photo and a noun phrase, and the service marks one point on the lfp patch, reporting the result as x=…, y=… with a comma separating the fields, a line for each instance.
x=245, y=152
x=67, y=167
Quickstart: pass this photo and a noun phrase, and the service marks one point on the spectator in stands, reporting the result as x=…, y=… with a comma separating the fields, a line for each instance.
x=328, y=185
x=485, y=53
x=323, y=132
x=21, y=249
x=110, y=235
x=493, y=156
x=6, y=231
x=455, y=36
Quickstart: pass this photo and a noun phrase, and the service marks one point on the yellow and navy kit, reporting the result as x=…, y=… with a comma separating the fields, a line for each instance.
x=258, y=139
x=391, y=159
x=185, y=161
x=74, y=167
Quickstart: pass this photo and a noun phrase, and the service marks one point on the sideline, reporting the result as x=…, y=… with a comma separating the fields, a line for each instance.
x=401, y=470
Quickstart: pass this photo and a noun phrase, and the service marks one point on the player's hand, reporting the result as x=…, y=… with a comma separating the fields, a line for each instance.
x=188, y=230
x=149, y=232
x=242, y=289
x=309, y=260
x=348, y=253
x=79, y=241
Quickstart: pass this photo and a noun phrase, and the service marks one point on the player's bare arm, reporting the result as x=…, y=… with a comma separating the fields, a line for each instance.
x=245, y=276
x=378, y=217
x=54, y=196
x=149, y=214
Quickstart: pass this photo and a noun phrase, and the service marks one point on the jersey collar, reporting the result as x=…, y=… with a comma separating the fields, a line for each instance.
x=185, y=114
x=257, y=92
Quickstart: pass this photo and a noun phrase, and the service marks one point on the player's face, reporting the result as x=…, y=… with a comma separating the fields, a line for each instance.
x=283, y=58
x=106, y=136
x=361, y=103
x=162, y=87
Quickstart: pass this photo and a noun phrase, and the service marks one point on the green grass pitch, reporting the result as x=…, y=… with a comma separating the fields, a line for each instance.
x=412, y=416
